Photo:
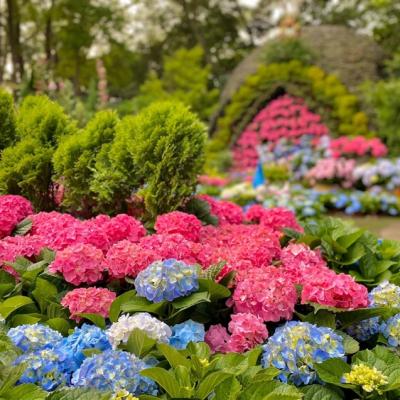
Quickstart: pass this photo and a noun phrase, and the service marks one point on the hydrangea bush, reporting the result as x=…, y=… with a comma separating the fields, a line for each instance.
x=254, y=304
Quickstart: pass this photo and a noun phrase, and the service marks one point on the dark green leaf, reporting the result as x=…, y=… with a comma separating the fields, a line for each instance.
x=117, y=303
x=165, y=379
x=98, y=320
x=139, y=343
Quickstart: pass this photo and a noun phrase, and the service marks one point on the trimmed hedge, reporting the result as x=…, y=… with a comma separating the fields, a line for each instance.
x=323, y=93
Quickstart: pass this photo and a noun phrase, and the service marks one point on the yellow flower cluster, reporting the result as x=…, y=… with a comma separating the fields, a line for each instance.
x=369, y=378
x=124, y=395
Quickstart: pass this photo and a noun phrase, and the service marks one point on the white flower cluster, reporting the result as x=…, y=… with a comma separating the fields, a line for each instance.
x=119, y=331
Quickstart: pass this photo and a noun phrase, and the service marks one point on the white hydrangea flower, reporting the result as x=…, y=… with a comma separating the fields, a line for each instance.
x=119, y=331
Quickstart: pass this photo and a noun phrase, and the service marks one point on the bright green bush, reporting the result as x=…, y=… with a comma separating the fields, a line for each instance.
x=115, y=175
x=384, y=100
x=7, y=120
x=185, y=78
x=41, y=118
x=75, y=159
x=323, y=93
x=168, y=152
x=25, y=167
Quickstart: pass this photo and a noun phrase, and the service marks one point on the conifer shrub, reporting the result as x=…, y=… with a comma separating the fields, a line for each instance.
x=26, y=167
x=7, y=120
x=115, y=175
x=168, y=152
x=75, y=159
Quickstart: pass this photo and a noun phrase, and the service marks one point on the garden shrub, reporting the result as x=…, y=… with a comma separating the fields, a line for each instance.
x=168, y=152
x=25, y=167
x=384, y=100
x=75, y=159
x=7, y=120
x=288, y=49
x=41, y=118
x=115, y=175
x=324, y=94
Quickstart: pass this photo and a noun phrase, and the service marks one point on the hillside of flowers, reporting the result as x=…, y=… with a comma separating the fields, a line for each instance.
x=253, y=306
x=288, y=157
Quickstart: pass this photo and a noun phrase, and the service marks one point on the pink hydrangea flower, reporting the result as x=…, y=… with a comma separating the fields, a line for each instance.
x=128, y=259
x=301, y=264
x=226, y=211
x=171, y=246
x=79, y=263
x=335, y=290
x=266, y=293
x=247, y=331
x=13, y=209
x=217, y=338
x=278, y=218
x=88, y=301
x=124, y=227
x=179, y=222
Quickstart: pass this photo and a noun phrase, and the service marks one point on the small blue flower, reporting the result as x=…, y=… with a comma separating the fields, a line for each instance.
x=32, y=337
x=85, y=337
x=365, y=329
x=167, y=280
x=44, y=367
x=391, y=330
x=386, y=294
x=114, y=370
x=295, y=347
x=183, y=334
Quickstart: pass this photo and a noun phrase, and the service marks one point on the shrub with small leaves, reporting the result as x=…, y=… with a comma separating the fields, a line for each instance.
x=7, y=120
x=169, y=154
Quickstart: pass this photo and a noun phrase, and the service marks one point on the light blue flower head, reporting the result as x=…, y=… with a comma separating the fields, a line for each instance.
x=186, y=332
x=32, y=337
x=45, y=367
x=391, y=330
x=114, y=370
x=167, y=280
x=295, y=347
x=85, y=337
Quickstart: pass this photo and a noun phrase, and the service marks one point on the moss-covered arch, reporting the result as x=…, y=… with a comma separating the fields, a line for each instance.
x=323, y=93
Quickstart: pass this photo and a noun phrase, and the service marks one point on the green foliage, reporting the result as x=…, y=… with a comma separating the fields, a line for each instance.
x=381, y=358
x=26, y=168
x=384, y=101
x=184, y=79
x=194, y=374
x=35, y=297
x=288, y=49
x=354, y=251
x=7, y=120
x=168, y=152
x=323, y=93
x=276, y=172
x=76, y=156
x=42, y=119
x=202, y=305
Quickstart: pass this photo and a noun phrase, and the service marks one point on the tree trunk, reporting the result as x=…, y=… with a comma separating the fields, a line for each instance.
x=48, y=45
x=14, y=39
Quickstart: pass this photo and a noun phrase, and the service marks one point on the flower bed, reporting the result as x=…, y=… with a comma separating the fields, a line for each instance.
x=256, y=306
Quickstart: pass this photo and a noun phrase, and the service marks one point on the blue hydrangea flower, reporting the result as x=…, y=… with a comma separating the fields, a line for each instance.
x=295, y=347
x=44, y=367
x=385, y=295
x=114, y=370
x=167, y=280
x=188, y=331
x=32, y=337
x=391, y=330
x=365, y=329
x=85, y=337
